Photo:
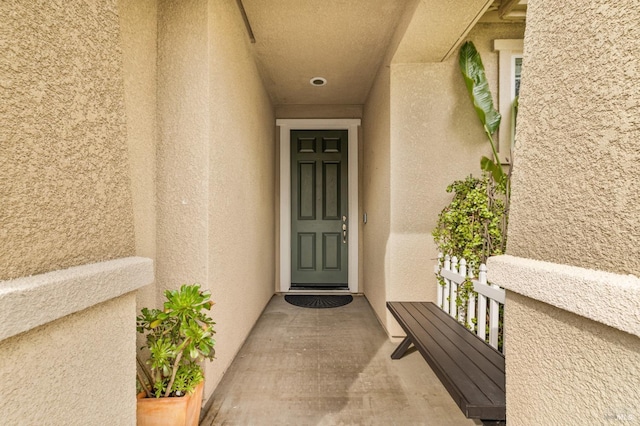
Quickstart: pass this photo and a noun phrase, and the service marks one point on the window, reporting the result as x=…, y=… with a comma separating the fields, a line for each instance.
x=517, y=72
x=510, y=69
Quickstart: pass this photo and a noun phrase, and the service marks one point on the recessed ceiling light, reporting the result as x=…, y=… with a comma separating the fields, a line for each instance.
x=318, y=81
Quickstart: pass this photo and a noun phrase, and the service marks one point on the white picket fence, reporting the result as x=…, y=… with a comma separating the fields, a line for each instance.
x=483, y=302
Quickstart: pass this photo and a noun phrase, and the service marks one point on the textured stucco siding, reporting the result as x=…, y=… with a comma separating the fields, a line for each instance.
x=183, y=199
x=375, y=192
x=575, y=202
x=65, y=189
x=563, y=369
x=575, y=182
x=66, y=201
x=242, y=186
x=183, y=144
x=138, y=23
x=72, y=371
x=216, y=169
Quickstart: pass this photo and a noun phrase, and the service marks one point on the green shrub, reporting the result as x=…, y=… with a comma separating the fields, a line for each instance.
x=473, y=224
x=472, y=227
x=179, y=337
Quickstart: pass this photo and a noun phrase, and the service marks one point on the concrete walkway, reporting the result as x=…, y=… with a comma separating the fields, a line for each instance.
x=328, y=367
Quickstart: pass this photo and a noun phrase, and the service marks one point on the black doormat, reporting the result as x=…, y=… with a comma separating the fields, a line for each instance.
x=315, y=301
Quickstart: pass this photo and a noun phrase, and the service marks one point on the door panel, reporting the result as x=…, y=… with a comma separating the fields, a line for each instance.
x=331, y=251
x=306, y=251
x=331, y=203
x=307, y=190
x=319, y=201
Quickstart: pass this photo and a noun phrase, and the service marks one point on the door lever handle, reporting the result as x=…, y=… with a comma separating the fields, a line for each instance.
x=344, y=230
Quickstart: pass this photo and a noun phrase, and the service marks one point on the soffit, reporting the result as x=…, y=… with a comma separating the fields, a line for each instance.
x=342, y=41
x=437, y=28
x=346, y=41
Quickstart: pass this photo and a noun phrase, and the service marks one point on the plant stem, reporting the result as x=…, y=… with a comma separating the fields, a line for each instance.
x=493, y=146
x=146, y=372
x=174, y=370
x=147, y=391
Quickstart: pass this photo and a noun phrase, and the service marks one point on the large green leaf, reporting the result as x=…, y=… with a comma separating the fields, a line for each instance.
x=495, y=169
x=478, y=87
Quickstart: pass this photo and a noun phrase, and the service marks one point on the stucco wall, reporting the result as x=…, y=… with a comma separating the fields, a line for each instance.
x=565, y=369
x=242, y=186
x=138, y=23
x=577, y=154
x=63, y=155
x=183, y=144
x=432, y=138
x=574, y=202
x=72, y=371
x=66, y=201
x=375, y=192
x=216, y=168
x=318, y=111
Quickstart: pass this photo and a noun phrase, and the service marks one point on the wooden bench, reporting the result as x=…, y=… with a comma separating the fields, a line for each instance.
x=470, y=370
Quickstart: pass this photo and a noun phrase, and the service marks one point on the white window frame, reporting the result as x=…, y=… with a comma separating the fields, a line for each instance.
x=508, y=50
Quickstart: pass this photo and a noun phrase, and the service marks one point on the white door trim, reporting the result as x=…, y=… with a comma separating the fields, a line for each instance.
x=286, y=125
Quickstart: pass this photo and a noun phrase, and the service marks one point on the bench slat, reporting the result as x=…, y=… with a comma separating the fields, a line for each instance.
x=455, y=378
x=468, y=368
x=491, y=361
x=443, y=350
x=469, y=359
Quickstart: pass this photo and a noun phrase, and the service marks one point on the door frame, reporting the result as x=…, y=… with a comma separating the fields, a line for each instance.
x=286, y=125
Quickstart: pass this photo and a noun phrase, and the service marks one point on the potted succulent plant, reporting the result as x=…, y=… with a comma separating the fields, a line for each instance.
x=178, y=339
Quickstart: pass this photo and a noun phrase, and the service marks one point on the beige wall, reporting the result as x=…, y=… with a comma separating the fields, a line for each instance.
x=72, y=370
x=574, y=202
x=66, y=201
x=585, y=129
x=183, y=144
x=138, y=22
x=63, y=155
x=375, y=193
x=242, y=185
x=216, y=168
x=421, y=134
x=318, y=111
x=565, y=369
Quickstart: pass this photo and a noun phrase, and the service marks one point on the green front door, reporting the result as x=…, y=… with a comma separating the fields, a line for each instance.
x=319, y=201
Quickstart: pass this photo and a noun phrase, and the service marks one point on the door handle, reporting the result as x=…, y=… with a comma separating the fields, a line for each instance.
x=344, y=230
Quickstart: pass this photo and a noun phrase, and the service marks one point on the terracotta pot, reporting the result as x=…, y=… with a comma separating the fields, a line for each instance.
x=175, y=411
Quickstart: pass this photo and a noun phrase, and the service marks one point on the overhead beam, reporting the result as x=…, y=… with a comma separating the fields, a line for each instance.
x=247, y=24
x=505, y=7
x=516, y=15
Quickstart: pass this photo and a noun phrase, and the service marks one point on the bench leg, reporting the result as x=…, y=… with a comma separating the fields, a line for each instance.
x=401, y=349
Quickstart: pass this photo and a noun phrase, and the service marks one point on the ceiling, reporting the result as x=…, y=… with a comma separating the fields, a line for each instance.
x=345, y=41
